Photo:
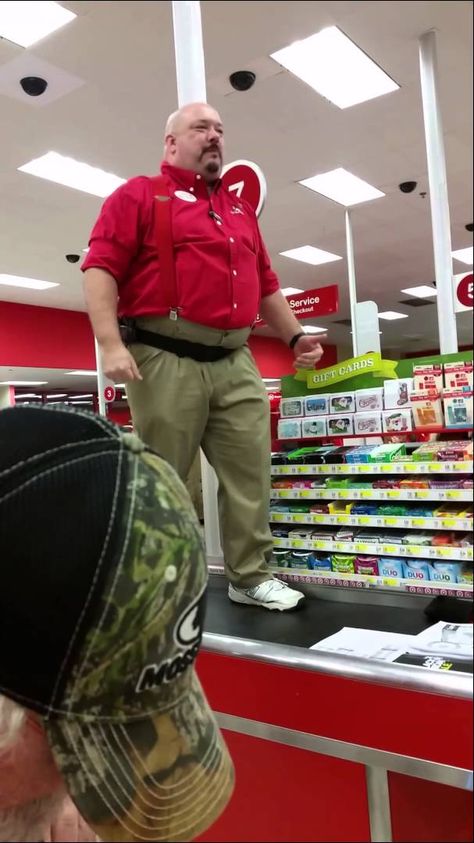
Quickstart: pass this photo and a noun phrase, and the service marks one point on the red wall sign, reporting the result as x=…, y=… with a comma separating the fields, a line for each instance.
x=305, y=305
x=463, y=292
x=246, y=181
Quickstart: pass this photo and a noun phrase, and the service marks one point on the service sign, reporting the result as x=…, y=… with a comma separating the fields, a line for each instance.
x=463, y=292
x=305, y=305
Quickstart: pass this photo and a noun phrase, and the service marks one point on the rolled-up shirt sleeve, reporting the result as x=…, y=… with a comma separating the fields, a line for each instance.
x=269, y=282
x=115, y=238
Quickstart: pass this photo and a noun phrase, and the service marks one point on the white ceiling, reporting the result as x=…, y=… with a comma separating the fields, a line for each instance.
x=123, y=52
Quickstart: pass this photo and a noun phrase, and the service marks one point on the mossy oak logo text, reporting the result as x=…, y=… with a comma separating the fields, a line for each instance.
x=187, y=636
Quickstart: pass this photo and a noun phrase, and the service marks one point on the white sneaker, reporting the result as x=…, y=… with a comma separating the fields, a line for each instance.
x=271, y=594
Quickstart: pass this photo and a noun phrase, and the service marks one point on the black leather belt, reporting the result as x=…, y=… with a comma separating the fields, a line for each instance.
x=182, y=348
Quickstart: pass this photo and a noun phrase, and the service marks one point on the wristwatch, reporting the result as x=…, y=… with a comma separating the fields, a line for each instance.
x=295, y=339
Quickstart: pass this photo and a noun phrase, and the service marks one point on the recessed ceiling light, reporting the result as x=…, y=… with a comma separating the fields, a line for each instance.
x=391, y=315
x=291, y=291
x=421, y=292
x=85, y=373
x=30, y=283
x=22, y=383
x=71, y=173
x=309, y=254
x=343, y=187
x=24, y=23
x=313, y=329
x=335, y=67
x=464, y=255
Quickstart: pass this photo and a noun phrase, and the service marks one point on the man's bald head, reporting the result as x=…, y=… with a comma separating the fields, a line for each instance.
x=194, y=140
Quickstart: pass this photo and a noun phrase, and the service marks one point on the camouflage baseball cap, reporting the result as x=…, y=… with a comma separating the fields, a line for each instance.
x=102, y=598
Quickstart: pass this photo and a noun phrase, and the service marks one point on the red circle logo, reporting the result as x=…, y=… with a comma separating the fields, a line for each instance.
x=245, y=180
x=109, y=393
x=464, y=290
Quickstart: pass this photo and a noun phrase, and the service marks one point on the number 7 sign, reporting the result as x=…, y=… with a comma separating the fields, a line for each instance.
x=245, y=180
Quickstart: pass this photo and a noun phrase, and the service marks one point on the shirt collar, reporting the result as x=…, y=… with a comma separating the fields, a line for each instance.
x=187, y=179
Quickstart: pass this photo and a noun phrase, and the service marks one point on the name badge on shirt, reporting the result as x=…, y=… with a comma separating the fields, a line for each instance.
x=185, y=196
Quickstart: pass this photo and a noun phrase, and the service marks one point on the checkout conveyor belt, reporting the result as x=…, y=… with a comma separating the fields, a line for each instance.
x=315, y=620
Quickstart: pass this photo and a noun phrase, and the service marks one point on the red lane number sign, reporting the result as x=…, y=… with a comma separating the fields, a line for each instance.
x=245, y=180
x=109, y=394
x=463, y=292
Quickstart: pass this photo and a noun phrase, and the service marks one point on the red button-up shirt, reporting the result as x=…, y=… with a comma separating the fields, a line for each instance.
x=222, y=266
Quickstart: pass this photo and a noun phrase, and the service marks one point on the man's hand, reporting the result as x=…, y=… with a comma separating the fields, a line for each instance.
x=118, y=364
x=308, y=351
x=69, y=827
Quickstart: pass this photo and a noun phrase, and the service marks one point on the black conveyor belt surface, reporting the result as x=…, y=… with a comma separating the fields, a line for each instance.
x=317, y=619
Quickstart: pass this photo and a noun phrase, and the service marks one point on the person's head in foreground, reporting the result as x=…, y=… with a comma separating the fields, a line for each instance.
x=102, y=582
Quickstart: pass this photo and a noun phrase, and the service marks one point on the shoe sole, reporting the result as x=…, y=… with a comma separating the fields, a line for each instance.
x=244, y=600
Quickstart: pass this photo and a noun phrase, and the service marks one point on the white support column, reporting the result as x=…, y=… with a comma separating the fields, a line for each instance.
x=189, y=52
x=352, y=282
x=191, y=84
x=7, y=396
x=101, y=382
x=438, y=190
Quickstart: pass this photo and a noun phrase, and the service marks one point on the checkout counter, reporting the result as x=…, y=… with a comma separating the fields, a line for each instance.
x=331, y=747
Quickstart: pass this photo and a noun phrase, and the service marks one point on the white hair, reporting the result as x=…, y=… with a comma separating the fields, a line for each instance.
x=12, y=718
x=29, y=822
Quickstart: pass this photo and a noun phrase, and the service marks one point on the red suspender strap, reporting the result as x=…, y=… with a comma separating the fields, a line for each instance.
x=164, y=241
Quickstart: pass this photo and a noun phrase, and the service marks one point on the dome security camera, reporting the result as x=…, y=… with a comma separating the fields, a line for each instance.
x=242, y=80
x=72, y=258
x=469, y=226
x=408, y=186
x=34, y=86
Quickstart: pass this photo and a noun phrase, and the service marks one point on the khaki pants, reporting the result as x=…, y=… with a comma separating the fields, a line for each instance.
x=222, y=406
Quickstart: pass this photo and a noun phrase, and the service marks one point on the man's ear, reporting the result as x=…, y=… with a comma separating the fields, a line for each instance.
x=170, y=144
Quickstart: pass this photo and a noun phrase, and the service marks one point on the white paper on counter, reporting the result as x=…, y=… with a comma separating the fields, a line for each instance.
x=449, y=640
x=366, y=643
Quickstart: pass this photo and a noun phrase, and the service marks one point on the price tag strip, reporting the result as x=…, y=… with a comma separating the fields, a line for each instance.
x=336, y=579
x=378, y=468
x=376, y=494
x=402, y=522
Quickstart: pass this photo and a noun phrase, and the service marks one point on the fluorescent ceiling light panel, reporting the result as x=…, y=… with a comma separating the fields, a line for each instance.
x=310, y=254
x=25, y=23
x=421, y=292
x=78, y=397
x=22, y=383
x=343, y=187
x=83, y=373
x=335, y=67
x=58, y=395
x=464, y=255
x=391, y=315
x=27, y=395
x=271, y=380
x=30, y=283
x=71, y=173
x=291, y=291
x=313, y=329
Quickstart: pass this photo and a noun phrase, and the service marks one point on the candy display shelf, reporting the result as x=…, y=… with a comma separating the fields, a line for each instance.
x=382, y=548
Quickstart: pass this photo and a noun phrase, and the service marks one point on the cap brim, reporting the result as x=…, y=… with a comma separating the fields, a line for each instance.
x=166, y=776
